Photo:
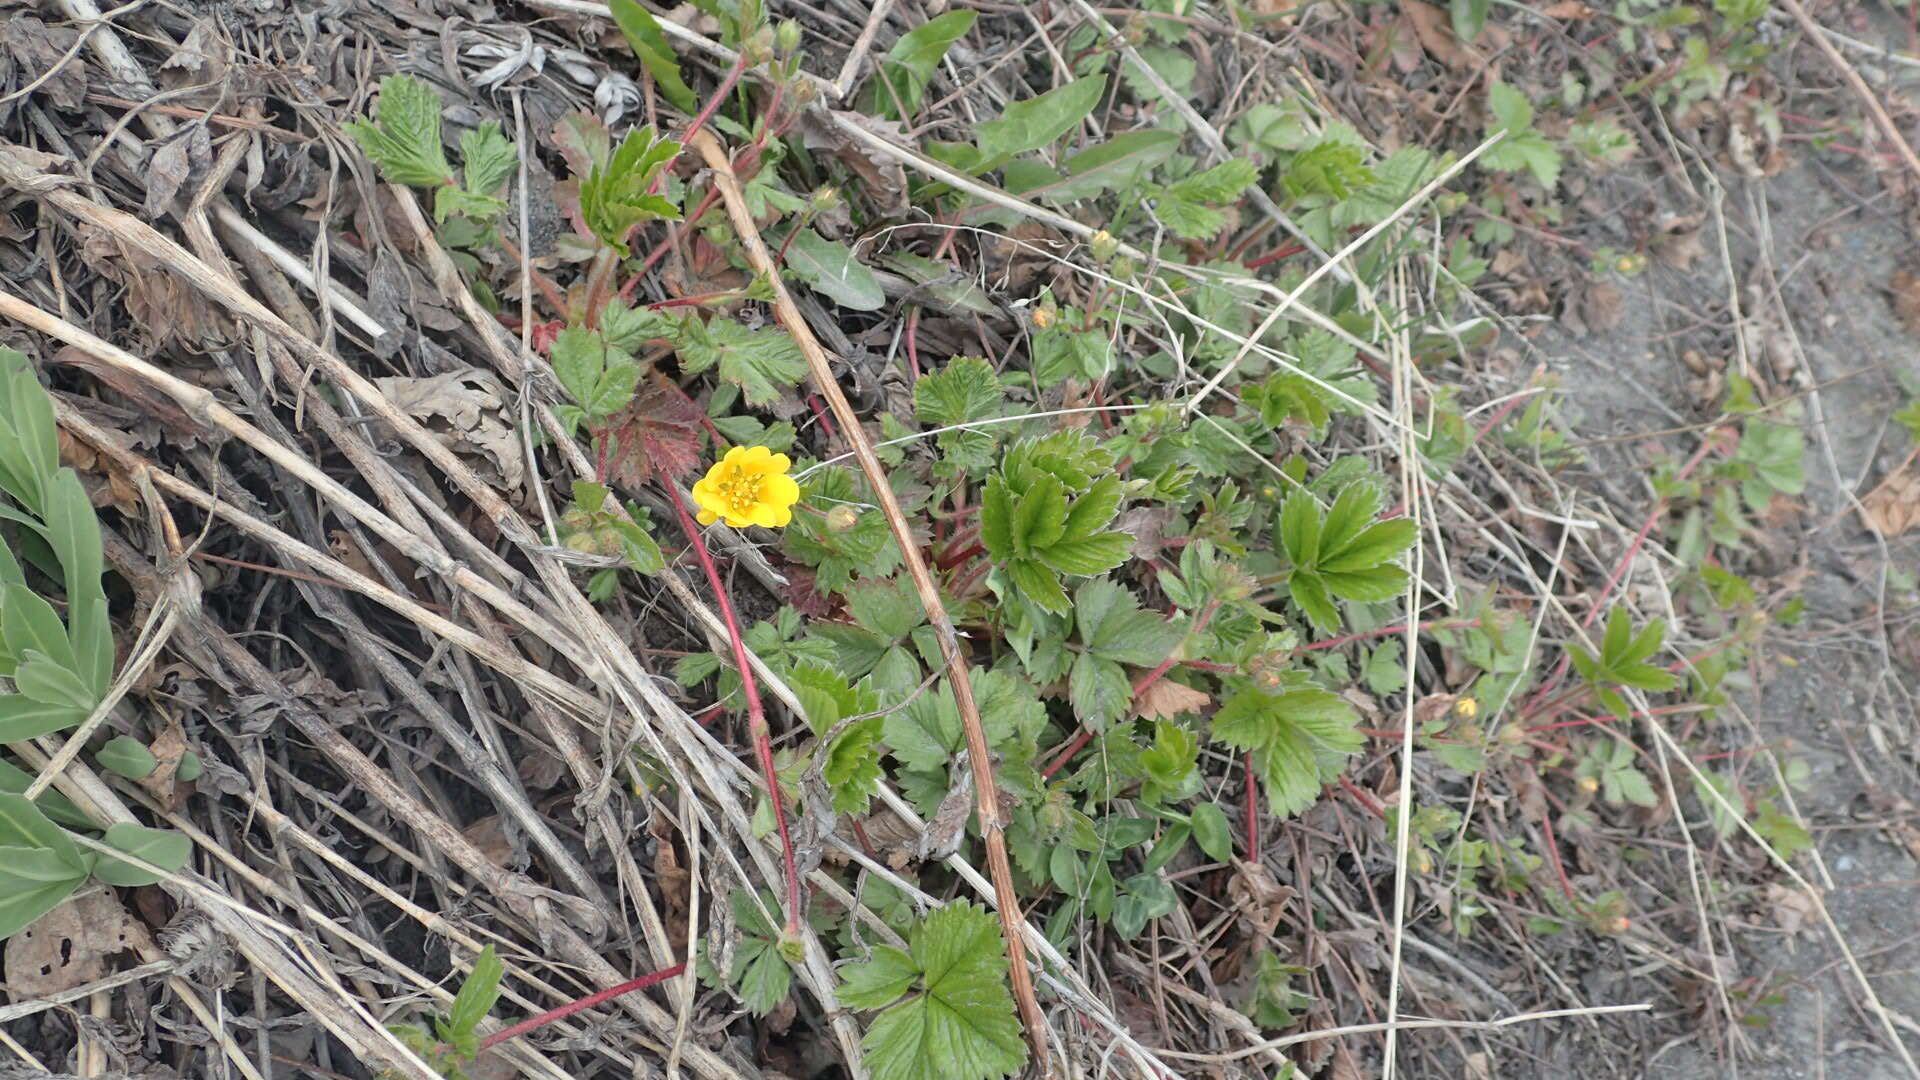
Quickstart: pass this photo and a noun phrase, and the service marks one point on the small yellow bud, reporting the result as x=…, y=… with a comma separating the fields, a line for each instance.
x=1104, y=246
x=1589, y=784
x=1422, y=863
x=1043, y=318
x=1467, y=707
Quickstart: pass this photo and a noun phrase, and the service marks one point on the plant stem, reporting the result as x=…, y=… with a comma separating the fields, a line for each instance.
x=588, y=1002
x=756, y=713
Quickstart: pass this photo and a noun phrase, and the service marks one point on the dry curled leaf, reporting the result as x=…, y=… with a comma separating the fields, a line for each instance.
x=1431, y=26
x=882, y=178
x=1893, y=506
x=1257, y=896
x=468, y=404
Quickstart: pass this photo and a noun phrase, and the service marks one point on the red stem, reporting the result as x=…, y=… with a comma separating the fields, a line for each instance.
x=1553, y=853
x=756, y=714
x=1253, y=812
x=588, y=1002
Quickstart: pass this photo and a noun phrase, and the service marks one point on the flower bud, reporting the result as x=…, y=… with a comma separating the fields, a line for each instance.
x=824, y=198
x=842, y=517
x=1104, y=246
x=1589, y=784
x=786, y=39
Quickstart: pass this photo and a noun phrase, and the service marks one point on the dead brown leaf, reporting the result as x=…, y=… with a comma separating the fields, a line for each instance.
x=948, y=826
x=161, y=306
x=1791, y=907
x=1435, y=32
x=173, y=161
x=1906, y=299
x=168, y=747
x=489, y=834
x=29, y=50
x=469, y=402
x=1893, y=506
x=882, y=178
x=1167, y=699
x=1258, y=897
x=70, y=946
x=1677, y=243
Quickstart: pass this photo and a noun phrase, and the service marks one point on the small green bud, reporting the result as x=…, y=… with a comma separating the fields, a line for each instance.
x=786, y=39
x=1104, y=246
x=842, y=517
x=825, y=197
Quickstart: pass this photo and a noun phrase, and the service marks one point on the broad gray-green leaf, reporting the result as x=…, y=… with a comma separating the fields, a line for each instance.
x=164, y=849
x=649, y=43
x=832, y=270
x=126, y=756
x=1036, y=122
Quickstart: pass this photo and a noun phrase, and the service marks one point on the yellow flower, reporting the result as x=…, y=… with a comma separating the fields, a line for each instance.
x=749, y=486
x=1467, y=707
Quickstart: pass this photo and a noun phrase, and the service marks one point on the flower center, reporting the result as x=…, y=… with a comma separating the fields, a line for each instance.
x=740, y=490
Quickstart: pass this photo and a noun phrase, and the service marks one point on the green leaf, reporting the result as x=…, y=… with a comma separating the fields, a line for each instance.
x=1098, y=691
x=21, y=717
x=1469, y=17
x=1221, y=184
x=760, y=973
x=1039, y=584
x=1310, y=592
x=24, y=824
x=127, y=756
x=852, y=768
x=878, y=981
x=15, y=780
x=28, y=622
x=832, y=270
x=477, y=994
x=889, y=607
x=961, y=1026
x=909, y=65
x=1088, y=556
x=1355, y=506
x=1300, y=528
x=1036, y=122
x=404, y=139
x=487, y=159
x=650, y=45
x=762, y=363
x=1511, y=110
x=1118, y=164
x=1094, y=509
x=964, y=391
x=43, y=679
x=163, y=848
x=1300, y=739
x=1374, y=547
x=616, y=197
x=23, y=896
x=996, y=518
x=1371, y=586
x=1211, y=831
x=1113, y=626
x=1040, y=517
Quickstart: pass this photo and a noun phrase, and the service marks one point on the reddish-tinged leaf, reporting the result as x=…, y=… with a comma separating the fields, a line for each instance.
x=658, y=433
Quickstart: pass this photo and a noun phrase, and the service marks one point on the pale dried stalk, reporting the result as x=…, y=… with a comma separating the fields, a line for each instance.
x=979, y=753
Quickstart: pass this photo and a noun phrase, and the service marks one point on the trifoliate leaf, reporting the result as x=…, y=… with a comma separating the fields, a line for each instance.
x=1300, y=739
x=960, y=1025
x=762, y=363
x=487, y=159
x=1221, y=184
x=616, y=197
x=760, y=974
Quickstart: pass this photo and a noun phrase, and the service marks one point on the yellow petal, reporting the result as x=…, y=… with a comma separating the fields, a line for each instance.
x=779, y=463
x=781, y=516
x=734, y=456
x=780, y=490
x=706, y=516
x=754, y=457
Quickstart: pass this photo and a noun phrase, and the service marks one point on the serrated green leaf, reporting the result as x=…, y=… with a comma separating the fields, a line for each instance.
x=1040, y=516
x=833, y=271
x=1618, y=638
x=1300, y=740
x=1645, y=677
x=1311, y=594
x=761, y=975
x=649, y=43
x=1039, y=584
x=964, y=391
x=616, y=197
x=1088, y=556
x=1299, y=528
x=487, y=159
x=1468, y=17
x=1511, y=110
x=163, y=848
x=1036, y=122
x=129, y=757
x=878, y=981
x=404, y=138
x=962, y=1027
x=1221, y=184
x=1371, y=586
x=762, y=363
x=1099, y=691
x=996, y=518
x=1349, y=515
x=1376, y=546
x=1094, y=509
